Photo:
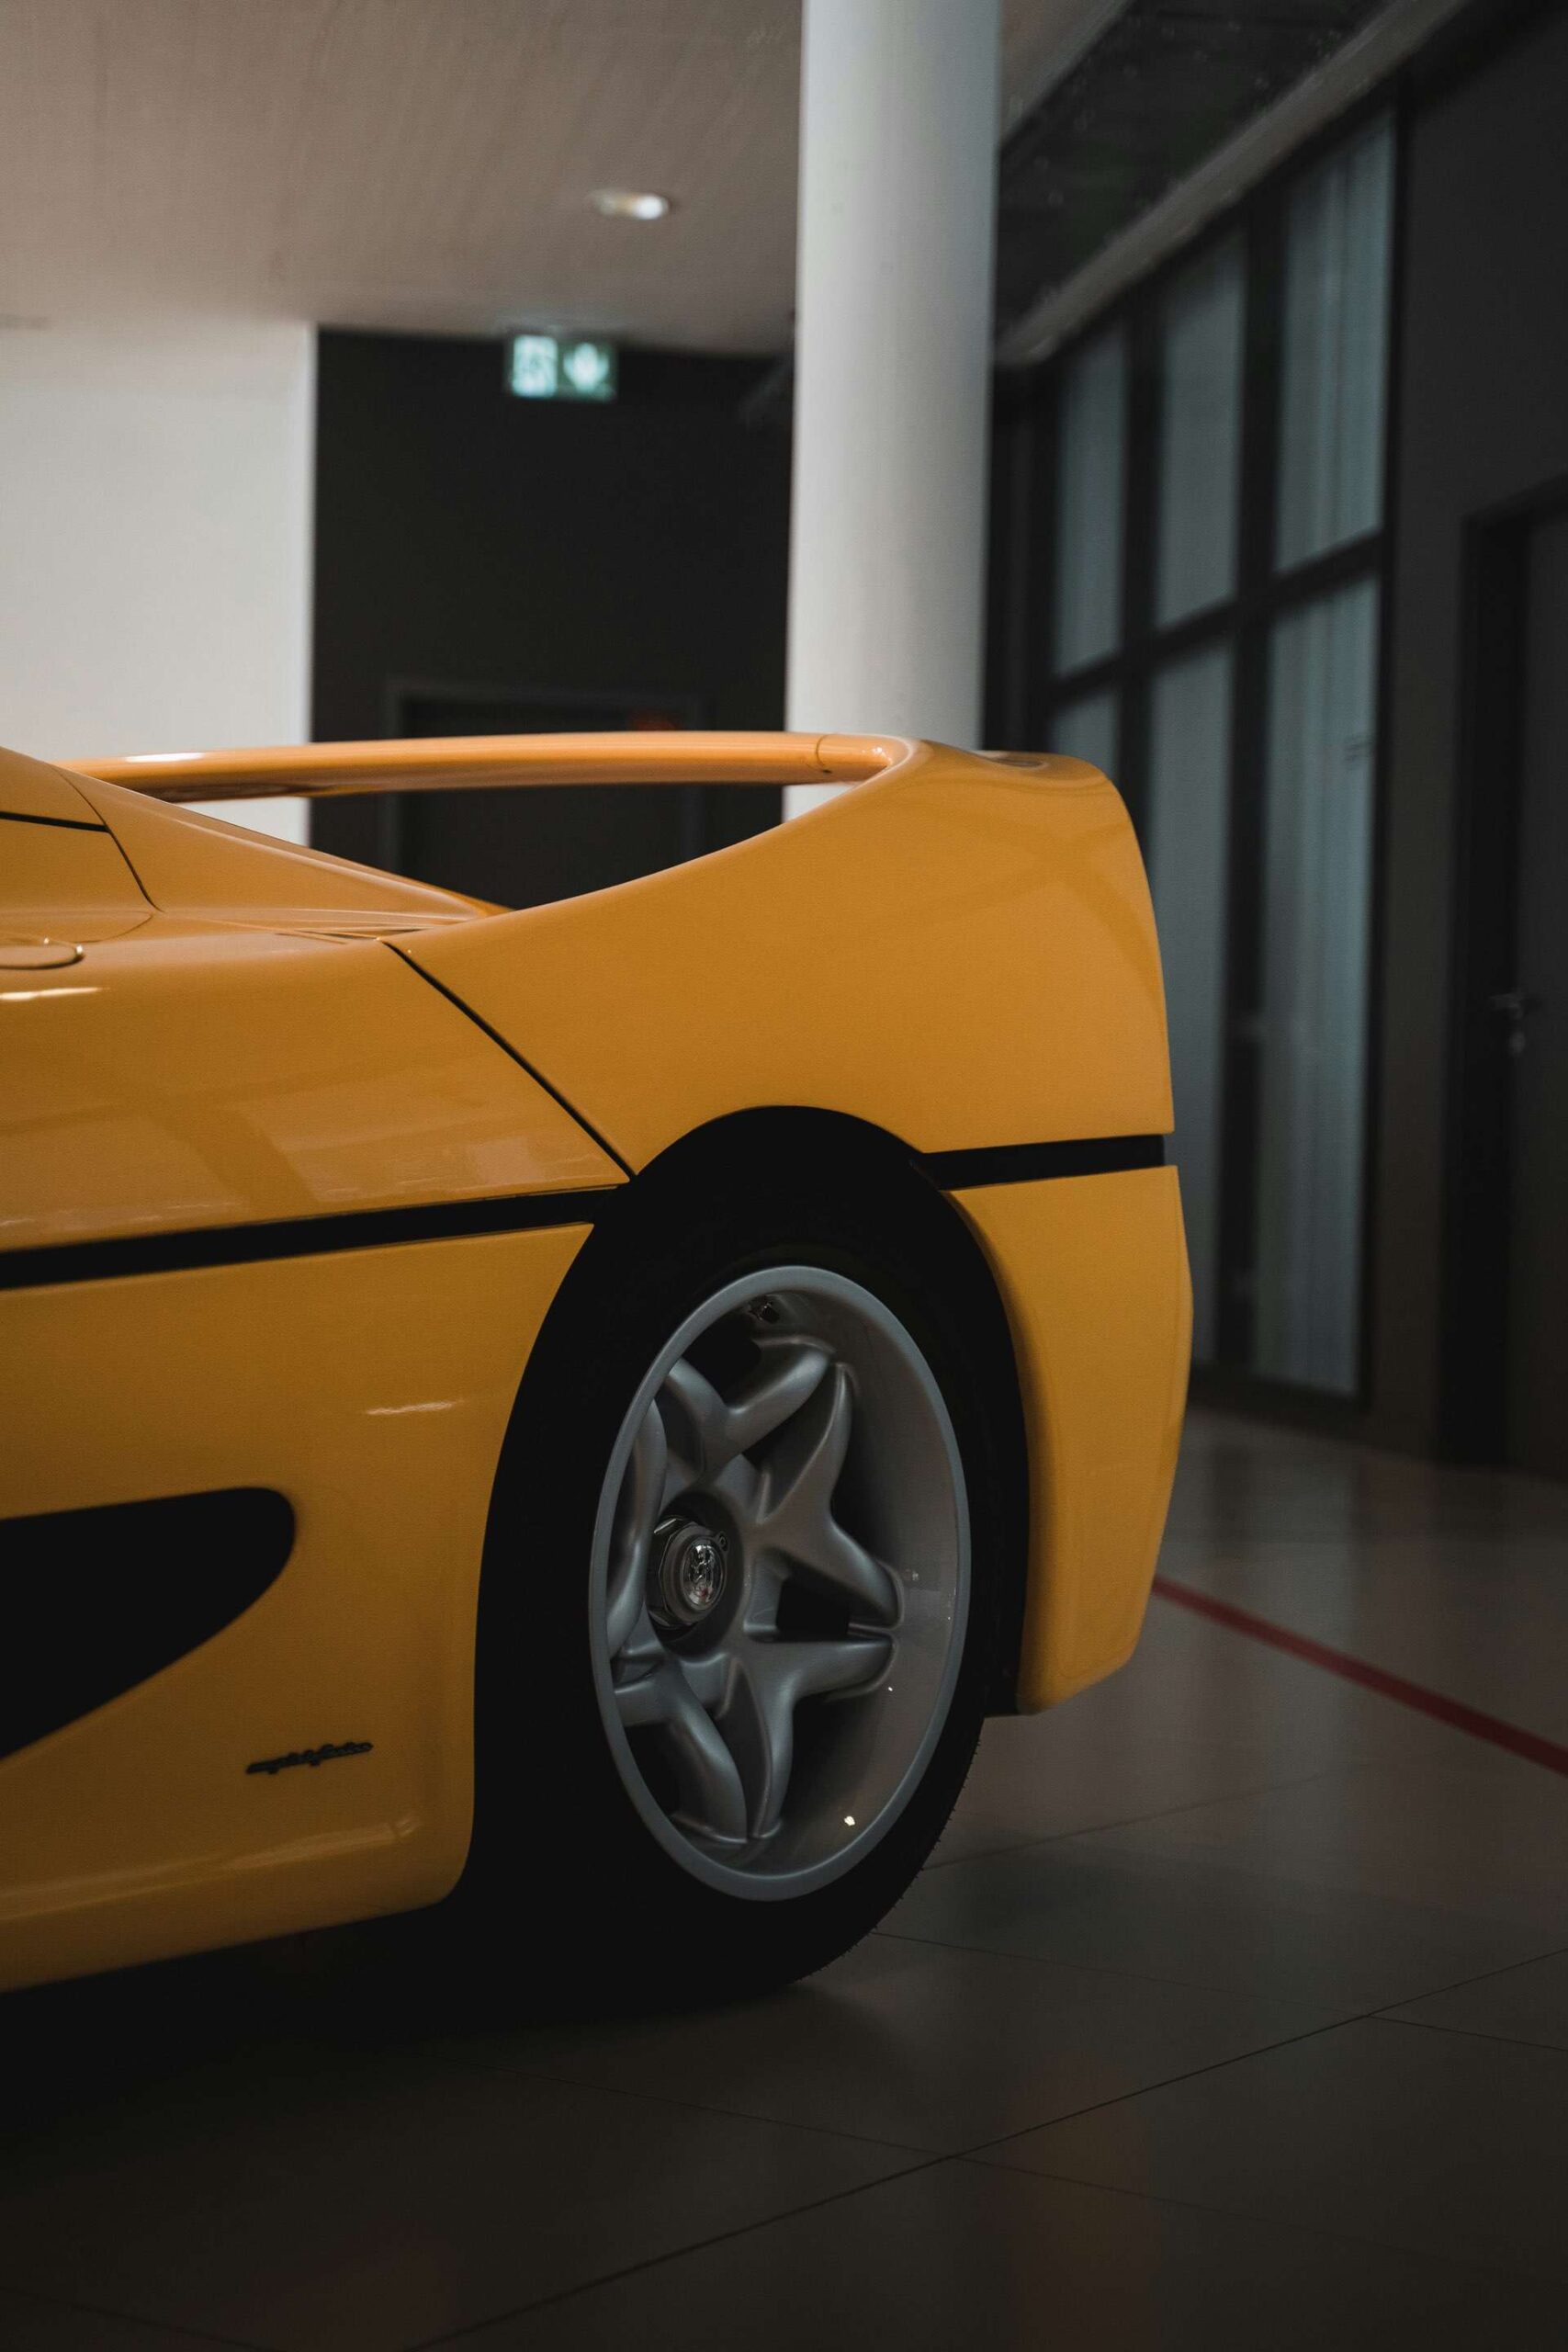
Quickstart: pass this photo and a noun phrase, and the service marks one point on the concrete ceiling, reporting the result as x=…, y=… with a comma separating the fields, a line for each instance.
x=422, y=164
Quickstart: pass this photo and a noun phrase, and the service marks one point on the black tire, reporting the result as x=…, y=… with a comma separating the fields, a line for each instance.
x=562, y=1861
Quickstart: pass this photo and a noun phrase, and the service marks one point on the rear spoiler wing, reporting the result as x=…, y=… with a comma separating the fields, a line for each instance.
x=462, y=763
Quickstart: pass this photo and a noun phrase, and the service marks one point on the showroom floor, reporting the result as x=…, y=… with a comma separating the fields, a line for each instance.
x=1232, y=2011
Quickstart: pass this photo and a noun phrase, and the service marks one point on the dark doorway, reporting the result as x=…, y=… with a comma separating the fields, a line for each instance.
x=528, y=847
x=1508, y=1326
x=1534, y=1011
x=542, y=564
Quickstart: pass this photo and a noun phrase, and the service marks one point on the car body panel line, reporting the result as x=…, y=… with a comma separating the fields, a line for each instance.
x=506, y=1045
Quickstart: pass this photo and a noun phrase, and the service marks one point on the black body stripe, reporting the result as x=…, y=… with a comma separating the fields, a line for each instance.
x=1027, y=1163
x=313, y=1236
x=303, y=1236
x=67, y=824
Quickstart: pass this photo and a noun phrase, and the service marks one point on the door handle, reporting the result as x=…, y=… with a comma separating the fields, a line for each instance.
x=1514, y=1006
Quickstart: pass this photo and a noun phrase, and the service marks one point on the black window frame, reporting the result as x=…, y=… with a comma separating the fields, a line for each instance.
x=1030, y=693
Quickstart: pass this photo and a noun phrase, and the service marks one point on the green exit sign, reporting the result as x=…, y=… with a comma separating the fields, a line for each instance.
x=552, y=367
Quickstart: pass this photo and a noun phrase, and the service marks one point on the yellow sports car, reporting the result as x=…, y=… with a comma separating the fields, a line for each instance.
x=593, y=1403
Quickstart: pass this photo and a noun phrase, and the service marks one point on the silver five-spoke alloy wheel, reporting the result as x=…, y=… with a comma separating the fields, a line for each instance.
x=779, y=1582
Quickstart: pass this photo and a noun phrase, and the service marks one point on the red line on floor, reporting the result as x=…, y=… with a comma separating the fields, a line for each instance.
x=1452, y=1712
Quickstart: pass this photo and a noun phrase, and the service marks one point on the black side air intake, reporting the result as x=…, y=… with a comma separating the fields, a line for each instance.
x=92, y=1602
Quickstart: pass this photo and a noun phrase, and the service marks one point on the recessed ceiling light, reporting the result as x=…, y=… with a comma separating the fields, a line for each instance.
x=629, y=203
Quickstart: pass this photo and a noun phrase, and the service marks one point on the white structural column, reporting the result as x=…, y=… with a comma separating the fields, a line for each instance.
x=899, y=120
x=156, y=492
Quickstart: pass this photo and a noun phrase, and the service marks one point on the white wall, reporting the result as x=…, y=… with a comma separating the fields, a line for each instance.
x=155, y=535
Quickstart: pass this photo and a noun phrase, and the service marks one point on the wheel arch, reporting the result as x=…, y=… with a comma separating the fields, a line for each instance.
x=821, y=1155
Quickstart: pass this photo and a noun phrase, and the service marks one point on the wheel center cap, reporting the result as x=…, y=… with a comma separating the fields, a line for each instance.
x=688, y=1572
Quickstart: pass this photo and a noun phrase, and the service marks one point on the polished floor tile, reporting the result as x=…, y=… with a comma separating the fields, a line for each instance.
x=1466, y=1618
x=1240, y=1477
x=1188, y=1915
x=1145, y=1742
x=960, y=2255
x=930, y=2049
x=1196, y=1685
x=31, y=2323
x=323, y=2206
x=1456, y=1579
x=1024, y=1788
x=1446, y=2145
x=1487, y=1846
x=1528, y=2004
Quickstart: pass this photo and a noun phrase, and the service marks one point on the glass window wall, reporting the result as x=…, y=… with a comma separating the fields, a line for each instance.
x=1087, y=731
x=1200, y=435
x=1215, y=581
x=1188, y=844
x=1317, y=911
x=1334, y=378
x=1090, y=483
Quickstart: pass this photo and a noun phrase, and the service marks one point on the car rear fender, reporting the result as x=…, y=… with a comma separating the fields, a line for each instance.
x=961, y=952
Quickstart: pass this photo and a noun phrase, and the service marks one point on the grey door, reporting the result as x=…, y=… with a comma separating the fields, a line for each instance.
x=1536, y=1024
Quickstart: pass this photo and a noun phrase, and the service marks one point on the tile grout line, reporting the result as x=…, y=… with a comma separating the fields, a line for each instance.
x=1462, y=1984
x=1241, y=2216
x=1130, y=1821
x=975, y=2155
x=1073, y=1967
x=194, y=2335
x=675, y=2253
x=1192, y=2075
x=1468, y=2032
x=1335, y=2025
x=972, y=2153
x=734, y=2114
x=926, y=2160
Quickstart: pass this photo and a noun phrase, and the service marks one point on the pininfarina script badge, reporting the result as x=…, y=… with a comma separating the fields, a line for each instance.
x=326, y=1754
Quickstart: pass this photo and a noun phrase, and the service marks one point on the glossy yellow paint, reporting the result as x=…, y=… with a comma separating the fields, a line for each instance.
x=372, y=1388
x=962, y=952
x=63, y=883
x=1093, y=1273
x=31, y=788
x=466, y=763
x=191, y=1074
x=200, y=865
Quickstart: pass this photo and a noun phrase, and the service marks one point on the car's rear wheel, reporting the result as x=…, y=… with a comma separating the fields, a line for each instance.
x=737, y=1617
x=779, y=1587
